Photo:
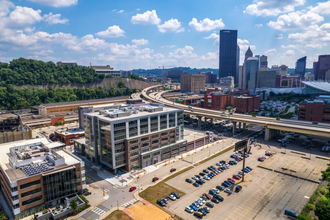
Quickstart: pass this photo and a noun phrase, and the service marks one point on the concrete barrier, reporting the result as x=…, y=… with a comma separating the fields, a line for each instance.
x=307, y=158
x=295, y=152
x=288, y=174
x=265, y=168
x=312, y=181
x=322, y=158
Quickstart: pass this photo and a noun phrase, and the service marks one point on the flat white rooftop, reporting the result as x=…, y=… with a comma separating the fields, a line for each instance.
x=15, y=173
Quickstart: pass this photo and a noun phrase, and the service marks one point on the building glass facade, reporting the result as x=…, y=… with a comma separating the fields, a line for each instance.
x=301, y=67
x=228, y=54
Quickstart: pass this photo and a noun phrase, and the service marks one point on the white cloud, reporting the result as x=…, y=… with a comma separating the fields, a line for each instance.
x=43, y=52
x=270, y=51
x=148, y=17
x=244, y=47
x=186, y=52
x=172, y=25
x=321, y=8
x=314, y=35
x=86, y=43
x=206, y=24
x=54, y=19
x=290, y=46
x=210, y=56
x=289, y=53
x=315, y=46
x=296, y=20
x=279, y=36
x=214, y=36
x=325, y=26
x=138, y=9
x=140, y=41
x=5, y=7
x=167, y=46
x=112, y=31
x=113, y=10
x=56, y=3
x=23, y=16
x=258, y=25
x=272, y=7
x=240, y=41
x=120, y=11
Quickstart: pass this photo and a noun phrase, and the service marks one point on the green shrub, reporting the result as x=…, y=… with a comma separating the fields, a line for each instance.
x=310, y=207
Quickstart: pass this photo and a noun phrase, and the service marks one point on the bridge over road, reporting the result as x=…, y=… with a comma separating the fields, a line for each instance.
x=272, y=125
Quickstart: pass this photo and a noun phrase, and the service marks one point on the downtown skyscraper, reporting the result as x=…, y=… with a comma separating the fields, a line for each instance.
x=228, y=54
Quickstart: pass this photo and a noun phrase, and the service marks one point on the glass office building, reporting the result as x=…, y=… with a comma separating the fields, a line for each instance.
x=228, y=54
x=301, y=67
x=133, y=136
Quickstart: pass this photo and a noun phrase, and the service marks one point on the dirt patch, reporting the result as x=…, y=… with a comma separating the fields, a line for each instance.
x=143, y=212
x=118, y=215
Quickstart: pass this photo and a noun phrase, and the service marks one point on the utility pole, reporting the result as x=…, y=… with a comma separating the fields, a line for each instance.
x=117, y=206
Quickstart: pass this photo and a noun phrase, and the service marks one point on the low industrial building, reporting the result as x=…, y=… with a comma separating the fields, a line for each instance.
x=68, y=136
x=315, y=111
x=130, y=137
x=36, y=174
x=192, y=82
x=245, y=104
x=107, y=70
x=218, y=100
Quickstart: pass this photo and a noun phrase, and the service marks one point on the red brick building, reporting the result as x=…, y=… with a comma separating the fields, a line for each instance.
x=246, y=104
x=68, y=136
x=218, y=100
x=316, y=110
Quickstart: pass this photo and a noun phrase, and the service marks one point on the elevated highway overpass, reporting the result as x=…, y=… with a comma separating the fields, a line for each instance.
x=272, y=125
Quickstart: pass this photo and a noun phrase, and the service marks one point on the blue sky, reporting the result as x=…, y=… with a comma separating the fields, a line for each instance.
x=131, y=34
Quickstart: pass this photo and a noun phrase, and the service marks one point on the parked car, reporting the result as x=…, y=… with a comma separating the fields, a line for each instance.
x=205, y=171
x=189, y=181
x=193, y=207
x=155, y=179
x=225, y=184
x=207, y=196
x=238, y=188
x=290, y=213
x=218, y=197
x=132, y=189
x=220, y=188
x=189, y=209
x=161, y=202
x=236, y=177
x=260, y=159
x=196, y=184
x=176, y=195
x=171, y=197
x=209, y=204
x=215, y=200
x=228, y=191
x=231, y=180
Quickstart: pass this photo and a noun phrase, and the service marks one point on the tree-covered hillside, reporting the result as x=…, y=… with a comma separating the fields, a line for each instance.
x=34, y=72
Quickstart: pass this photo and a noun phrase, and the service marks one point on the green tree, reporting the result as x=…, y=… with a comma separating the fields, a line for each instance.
x=121, y=84
x=73, y=205
x=3, y=216
x=265, y=108
x=253, y=113
x=322, y=210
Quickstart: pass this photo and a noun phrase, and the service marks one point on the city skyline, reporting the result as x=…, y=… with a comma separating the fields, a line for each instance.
x=149, y=34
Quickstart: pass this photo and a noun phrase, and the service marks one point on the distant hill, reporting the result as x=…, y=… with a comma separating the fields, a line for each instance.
x=159, y=72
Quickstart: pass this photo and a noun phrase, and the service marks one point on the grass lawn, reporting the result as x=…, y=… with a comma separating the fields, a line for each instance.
x=215, y=155
x=118, y=215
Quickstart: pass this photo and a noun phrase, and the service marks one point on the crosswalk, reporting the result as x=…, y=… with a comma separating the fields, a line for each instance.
x=130, y=202
x=98, y=211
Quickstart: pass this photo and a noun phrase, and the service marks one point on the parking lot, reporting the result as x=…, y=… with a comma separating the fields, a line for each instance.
x=265, y=194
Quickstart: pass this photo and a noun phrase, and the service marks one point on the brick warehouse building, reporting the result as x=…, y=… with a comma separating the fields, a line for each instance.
x=246, y=104
x=192, y=82
x=68, y=136
x=317, y=110
x=218, y=100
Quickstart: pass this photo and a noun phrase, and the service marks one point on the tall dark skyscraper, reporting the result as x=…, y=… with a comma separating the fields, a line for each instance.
x=228, y=54
x=301, y=67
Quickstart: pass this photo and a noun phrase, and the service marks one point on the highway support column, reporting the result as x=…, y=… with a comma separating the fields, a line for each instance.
x=234, y=127
x=270, y=133
x=199, y=122
x=239, y=125
x=212, y=121
x=244, y=126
